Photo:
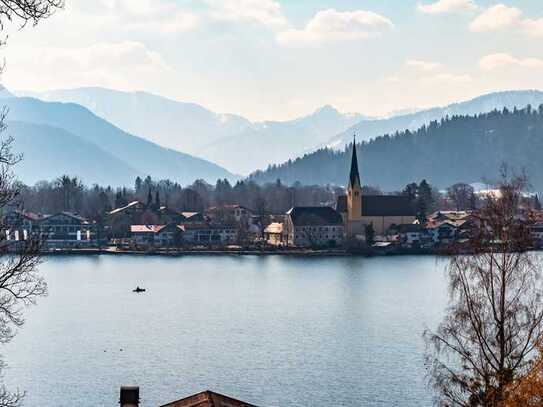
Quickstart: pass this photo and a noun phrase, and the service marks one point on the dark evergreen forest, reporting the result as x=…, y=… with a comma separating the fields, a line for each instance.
x=455, y=149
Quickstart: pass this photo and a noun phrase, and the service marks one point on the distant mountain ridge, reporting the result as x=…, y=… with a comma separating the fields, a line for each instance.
x=62, y=134
x=226, y=139
x=275, y=142
x=457, y=149
x=368, y=129
x=182, y=126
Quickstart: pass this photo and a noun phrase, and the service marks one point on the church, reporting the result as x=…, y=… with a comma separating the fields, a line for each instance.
x=382, y=211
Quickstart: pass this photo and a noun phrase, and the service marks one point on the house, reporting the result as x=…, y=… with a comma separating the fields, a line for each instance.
x=66, y=229
x=237, y=213
x=203, y=233
x=275, y=234
x=382, y=211
x=135, y=213
x=308, y=226
x=157, y=235
x=192, y=217
x=536, y=233
x=167, y=215
x=208, y=399
x=411, y=235
x=130, y=397
x=25, y=222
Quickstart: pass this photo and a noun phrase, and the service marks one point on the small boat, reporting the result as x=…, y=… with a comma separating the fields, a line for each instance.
x=138, y=290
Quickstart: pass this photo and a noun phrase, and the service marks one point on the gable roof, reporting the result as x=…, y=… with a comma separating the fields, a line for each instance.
x=380, y=205
x=130, y=205
x=146, y=228
x=75, y=216
x=315, y=216
x=387, y=205
x=208, y=399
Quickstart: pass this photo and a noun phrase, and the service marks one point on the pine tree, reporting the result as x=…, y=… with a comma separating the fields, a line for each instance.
x=157, y=200
x=149, y=198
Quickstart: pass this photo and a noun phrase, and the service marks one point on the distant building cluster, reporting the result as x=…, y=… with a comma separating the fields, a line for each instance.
x=387, y=223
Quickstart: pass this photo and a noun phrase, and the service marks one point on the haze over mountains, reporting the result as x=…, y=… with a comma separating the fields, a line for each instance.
x=241, y=146
x=458, y=149
x=66, y=138
x=60, y=138
x=368, y=129
x=228, y=140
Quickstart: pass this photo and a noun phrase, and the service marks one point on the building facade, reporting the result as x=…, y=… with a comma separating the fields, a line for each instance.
x=359, y=210
x=314, y=226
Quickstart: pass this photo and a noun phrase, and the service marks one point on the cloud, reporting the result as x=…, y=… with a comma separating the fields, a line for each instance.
x=261, y=12
x=336, y=25
x=150, y=16
x=496, y=18
x=446, y=78
x=503, y=60
x=123, y=65
x=502, y=17
x=448, y=6
x=424, y=66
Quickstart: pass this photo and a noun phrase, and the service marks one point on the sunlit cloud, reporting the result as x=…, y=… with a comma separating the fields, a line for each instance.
x=424, y=66
x=448, y=6
x=503, y=60
x=330, y=25
x=502, y=17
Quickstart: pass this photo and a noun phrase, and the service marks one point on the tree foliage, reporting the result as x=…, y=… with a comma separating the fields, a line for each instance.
x=493, y=325
x=454, y=149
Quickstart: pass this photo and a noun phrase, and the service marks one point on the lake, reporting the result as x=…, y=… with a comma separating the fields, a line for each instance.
x=274, y=331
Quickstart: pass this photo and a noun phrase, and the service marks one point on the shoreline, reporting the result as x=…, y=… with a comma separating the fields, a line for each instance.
x=242, y=252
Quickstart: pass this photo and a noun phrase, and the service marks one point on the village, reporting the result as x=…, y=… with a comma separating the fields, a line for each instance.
x=357, y=223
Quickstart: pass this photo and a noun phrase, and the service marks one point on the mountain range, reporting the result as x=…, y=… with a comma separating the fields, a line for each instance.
x=368, y=129
x=66, y=138
x=165, y=127
x=455, y=149
x=226, y=139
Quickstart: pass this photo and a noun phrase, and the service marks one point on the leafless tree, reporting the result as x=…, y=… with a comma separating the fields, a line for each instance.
x=462, y=195
x=489, y=335
x=20, y=283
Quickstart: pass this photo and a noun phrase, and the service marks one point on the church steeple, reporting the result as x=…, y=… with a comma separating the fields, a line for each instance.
x=354, y=176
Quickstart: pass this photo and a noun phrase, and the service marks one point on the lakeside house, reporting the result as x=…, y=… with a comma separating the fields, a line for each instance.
x=275, y=234
x=60, y=230
x=130, y=397
x=157, y=235
x=314, y=226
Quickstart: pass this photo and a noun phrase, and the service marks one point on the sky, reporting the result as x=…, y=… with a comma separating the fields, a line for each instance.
x=280, y=59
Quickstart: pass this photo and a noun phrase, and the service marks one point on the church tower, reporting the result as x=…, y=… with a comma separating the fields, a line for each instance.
x=354, y=197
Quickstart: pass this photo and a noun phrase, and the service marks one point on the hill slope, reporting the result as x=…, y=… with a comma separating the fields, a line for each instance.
x=460, y=148
x=134, y=152
x=182, y=126
x=274, y=142
x=229, y=140
x=49, y=152
x=368, y=129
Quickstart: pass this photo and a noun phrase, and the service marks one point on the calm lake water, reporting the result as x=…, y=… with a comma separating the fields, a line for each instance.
x=275, y=331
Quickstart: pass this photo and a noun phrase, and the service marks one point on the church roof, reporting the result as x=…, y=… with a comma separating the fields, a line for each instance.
x=315, y=216
x=354, y=176
x=381, y=205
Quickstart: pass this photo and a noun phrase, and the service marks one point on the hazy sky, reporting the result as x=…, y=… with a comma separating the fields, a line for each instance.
x=277, y=59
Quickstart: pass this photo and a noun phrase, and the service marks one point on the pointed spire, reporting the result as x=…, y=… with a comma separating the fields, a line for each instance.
x=354, y=176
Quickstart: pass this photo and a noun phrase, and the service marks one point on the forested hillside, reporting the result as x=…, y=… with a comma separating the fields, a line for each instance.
x=458, y=148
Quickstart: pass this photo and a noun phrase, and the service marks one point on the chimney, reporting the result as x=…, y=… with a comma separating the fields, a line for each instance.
x=130, y=396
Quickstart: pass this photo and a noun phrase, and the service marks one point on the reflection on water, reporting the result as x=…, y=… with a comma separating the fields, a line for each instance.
x=275, y=331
